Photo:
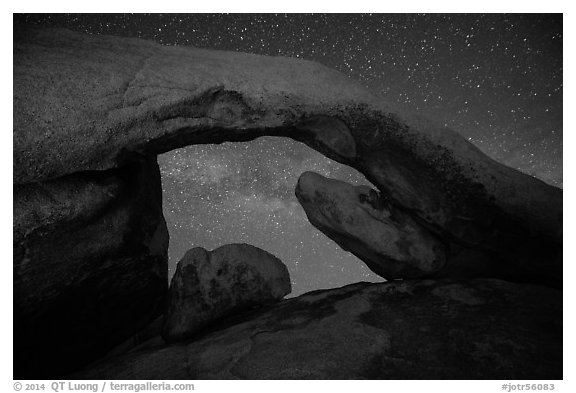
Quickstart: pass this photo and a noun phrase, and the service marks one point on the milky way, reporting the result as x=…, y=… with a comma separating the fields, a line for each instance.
x=496, y=79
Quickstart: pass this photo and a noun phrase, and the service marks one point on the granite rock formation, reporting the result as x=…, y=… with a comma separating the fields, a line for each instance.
x=391, y=243
x=92, y=112
x=210, y=285
x=85, y=103
x=425, y=329
x=395, y=244
x=90, y=265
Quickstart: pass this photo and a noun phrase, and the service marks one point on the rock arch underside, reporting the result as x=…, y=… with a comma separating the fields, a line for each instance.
x=477, y=244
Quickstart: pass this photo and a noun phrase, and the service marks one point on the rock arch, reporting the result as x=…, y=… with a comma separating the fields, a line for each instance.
x=92, y=112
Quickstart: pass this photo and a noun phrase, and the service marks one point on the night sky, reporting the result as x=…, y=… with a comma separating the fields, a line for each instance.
x=496, y=79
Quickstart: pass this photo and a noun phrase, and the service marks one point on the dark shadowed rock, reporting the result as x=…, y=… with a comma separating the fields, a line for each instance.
x=446, y=329
x=90, y=270
x=210, y=285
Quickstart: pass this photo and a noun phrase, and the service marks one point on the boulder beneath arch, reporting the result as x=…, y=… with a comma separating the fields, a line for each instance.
x=210, y=285
x=92, y=112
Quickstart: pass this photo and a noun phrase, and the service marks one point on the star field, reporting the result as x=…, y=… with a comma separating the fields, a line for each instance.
x=244, y=193
x=496, y=79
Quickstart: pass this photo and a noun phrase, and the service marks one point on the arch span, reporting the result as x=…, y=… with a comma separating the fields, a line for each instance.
x=91, y=113
x=244, y=193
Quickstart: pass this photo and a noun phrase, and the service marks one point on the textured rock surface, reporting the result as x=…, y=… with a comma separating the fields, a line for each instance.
x=477, y=329
x=364, y=223
x=97, y=102
x=210, y=285
x=90, y=268
x=89, y=238
x=394, y=245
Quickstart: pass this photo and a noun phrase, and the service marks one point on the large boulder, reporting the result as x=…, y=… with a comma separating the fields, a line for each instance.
x=391, y=243
x=90, y=266
x=445, y=329
x=210, y=285
x=394, y=245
